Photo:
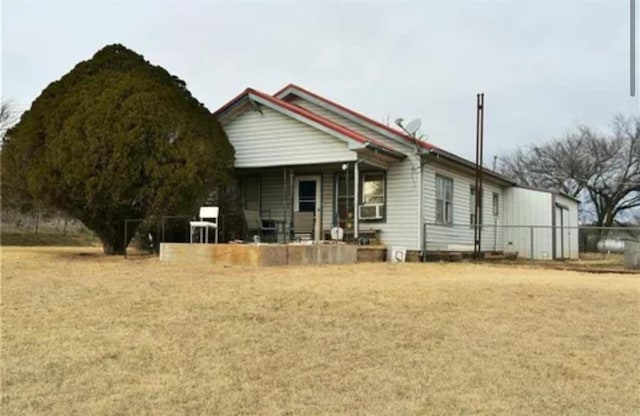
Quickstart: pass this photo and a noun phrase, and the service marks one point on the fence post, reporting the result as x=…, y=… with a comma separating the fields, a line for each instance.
x=569, y=231
x=126, y=222
x=531, y=248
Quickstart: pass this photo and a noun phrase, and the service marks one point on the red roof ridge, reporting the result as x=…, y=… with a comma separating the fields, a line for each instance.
x=378, y=124
x=231, y=102
x=307, y=114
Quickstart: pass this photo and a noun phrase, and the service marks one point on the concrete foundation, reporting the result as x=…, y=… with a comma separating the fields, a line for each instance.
x=258, y=254
x=372, y=254
x=631, y=255
x=321, y=254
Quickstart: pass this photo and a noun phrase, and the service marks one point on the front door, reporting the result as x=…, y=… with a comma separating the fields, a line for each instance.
x=307, y=198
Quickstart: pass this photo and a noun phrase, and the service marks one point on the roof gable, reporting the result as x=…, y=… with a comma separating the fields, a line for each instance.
x=269, y=138
x=355, y=139
x=390, y=132
x=358, y=118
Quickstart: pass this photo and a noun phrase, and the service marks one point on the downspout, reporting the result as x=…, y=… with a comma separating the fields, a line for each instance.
x=424, y=159
x=356, y=180
x=284, y=201
x=420, y=208
x=553, y=227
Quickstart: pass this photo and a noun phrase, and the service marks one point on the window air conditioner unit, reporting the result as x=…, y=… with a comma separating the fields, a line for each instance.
x=370, y=211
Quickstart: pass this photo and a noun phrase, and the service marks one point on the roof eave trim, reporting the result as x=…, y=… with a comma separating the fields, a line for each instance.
x=464, y=162
x=390, y=133
x=253, y=96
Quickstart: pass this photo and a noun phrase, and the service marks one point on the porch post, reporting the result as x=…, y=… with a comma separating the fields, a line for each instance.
x=356, y=181
x=285, y=228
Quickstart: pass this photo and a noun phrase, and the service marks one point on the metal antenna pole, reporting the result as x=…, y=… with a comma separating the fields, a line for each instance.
x=480, y=192
x=477, y=231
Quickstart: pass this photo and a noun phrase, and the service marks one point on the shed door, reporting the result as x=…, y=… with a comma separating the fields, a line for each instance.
x=562, y=232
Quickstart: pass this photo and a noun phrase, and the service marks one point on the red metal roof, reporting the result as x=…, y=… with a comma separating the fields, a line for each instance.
x=395, y=132
x=281, y=103
x=306, y=114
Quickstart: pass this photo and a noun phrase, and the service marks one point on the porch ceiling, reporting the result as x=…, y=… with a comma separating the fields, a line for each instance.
x=365, y=164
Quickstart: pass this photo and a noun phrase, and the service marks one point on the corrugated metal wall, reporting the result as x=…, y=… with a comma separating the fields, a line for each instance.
x=571, y=235
x=527, y=207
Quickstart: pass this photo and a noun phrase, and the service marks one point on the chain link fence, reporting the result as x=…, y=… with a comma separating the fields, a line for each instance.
x=151, y=232
x=534, y=242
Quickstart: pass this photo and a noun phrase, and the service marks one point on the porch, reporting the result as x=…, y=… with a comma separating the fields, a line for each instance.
x=349, y=196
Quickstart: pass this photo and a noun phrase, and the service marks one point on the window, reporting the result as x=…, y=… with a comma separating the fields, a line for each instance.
x=373, y=188
x=496, y=204
x=343, y=209
x=251, y=194
x=373, y=194
x=444, y=200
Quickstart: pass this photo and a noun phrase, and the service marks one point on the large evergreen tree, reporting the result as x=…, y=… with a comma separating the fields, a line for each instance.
x=116, y=138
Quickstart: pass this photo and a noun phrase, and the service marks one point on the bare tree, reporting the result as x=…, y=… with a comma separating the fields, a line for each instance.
x=601, y=169
x=7, y=117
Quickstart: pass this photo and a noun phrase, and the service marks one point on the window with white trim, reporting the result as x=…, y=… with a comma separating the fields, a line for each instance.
x=444, y=200
x=372, y=192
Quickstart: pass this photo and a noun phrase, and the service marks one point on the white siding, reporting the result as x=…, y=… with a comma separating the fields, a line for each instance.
x=401, y=226
x=525, y=208
x=459, y=236
x=272, y=195
x=402, y=221
x=343, y=121
x=273, y=139
x=327, y=200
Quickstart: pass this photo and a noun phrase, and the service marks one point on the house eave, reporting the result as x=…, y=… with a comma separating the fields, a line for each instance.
x=467, y=165
x=354, y=140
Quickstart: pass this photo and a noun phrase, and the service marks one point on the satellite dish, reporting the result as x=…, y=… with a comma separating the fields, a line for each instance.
x=413, y=126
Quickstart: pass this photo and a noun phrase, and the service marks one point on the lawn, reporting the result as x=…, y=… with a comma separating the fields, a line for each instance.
x=85, y=334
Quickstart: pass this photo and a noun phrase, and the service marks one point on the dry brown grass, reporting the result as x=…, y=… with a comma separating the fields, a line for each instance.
x=85, y=334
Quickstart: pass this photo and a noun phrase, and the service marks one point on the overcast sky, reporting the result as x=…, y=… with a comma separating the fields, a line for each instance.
x=544, y=66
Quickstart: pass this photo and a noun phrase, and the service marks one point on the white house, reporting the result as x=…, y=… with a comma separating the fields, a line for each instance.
x=297, y=151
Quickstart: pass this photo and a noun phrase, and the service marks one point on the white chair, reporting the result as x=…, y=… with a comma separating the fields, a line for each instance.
x=206, y=213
